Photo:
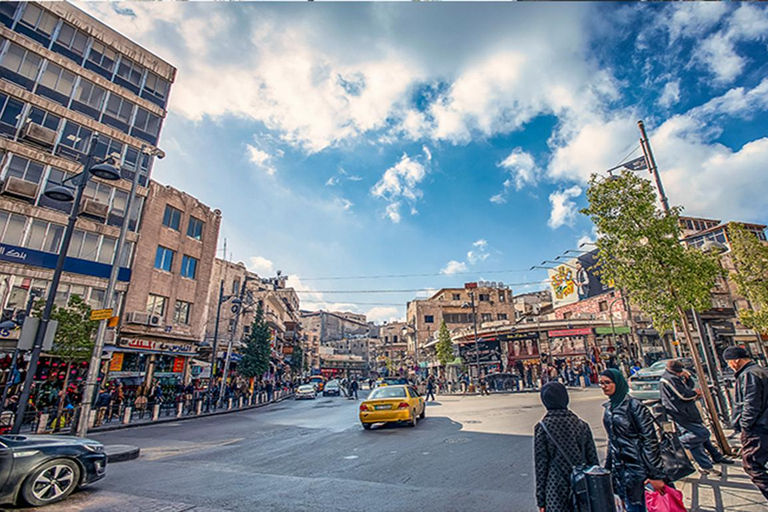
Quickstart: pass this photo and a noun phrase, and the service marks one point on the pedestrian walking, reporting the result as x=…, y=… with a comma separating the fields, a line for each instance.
x=634, y=455
x=430, y=390
x=678, y=396
x=561, y=440
x=483, y=387
x=751, y=414
x=354, y=387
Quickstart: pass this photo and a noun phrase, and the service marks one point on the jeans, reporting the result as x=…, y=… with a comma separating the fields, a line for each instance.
x=695, y=437
x=430, y=393
x=634, y=507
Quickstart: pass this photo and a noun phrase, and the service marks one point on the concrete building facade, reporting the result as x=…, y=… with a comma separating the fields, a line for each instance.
x=65, y=77
x=167, y=304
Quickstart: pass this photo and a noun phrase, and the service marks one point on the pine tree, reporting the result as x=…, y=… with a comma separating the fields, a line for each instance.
x=257, y=351
x=444, y=346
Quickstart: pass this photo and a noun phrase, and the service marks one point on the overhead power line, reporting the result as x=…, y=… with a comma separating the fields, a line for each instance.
x=414, y=290
x=386, y=276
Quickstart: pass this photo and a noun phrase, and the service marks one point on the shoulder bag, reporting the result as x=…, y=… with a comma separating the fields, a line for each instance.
x=592, y=487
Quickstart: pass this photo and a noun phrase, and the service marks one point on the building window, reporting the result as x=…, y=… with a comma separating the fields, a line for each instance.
x=457, y=318
x=172, y=218
x=235, y=287
x=181, y=312
x=57, y=84
x=118, y=109
x=103, y=57
x=10, y=111
x=107, y=146
x=456, y=296
x=156, y=305
x=195, y=228
x=22, y=64
x=567, y=315
x=502, y=316
x=188, y=267
x=72, y=41
x=602, y=305
x=44, y=236
x=107, y=250
x=89, y=98
x=76, y=137
x=484, y=297
x=164, y=258
x=38, y=20
x=44, y=118
x=486, y=317
x=24, y=169
x=12, y=227
x=146, y=126
x=429, y=319
x=130, y=72
x=97, y=191
x=502, y=297
x=157, y=88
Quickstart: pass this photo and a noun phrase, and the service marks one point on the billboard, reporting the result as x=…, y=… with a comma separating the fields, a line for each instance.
x=488, y=351
x=577, y=279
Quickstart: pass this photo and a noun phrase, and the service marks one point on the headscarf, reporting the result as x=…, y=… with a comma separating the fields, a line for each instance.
x=554, y=396
x=622, y=388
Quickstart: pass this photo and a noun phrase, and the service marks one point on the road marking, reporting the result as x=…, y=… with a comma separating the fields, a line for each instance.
x=350, y=457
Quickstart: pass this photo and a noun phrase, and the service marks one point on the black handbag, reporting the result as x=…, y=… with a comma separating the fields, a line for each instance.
x=677, y=465
x=592, y=487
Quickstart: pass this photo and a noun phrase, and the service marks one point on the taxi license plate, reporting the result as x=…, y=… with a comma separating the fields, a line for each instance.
x=382, y=407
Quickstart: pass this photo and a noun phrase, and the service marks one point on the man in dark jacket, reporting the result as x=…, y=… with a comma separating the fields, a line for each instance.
x=678, y=397
x=751, y=414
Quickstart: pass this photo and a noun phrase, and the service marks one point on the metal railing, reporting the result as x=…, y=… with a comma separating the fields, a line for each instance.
x=136, y=411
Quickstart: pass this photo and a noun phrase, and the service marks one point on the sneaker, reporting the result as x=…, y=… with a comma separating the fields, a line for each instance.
x=707, y=472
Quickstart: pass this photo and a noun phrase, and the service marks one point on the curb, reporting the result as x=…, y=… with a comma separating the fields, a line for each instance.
x=171, y=419
x=121, y=452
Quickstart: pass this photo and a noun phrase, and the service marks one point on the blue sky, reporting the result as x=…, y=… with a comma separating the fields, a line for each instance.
x=449, y=140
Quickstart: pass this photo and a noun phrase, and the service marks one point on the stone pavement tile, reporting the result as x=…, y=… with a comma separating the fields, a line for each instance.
x=733, y=492
x=105, y=501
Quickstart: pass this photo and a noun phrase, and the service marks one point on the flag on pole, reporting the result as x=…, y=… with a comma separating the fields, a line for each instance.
x=638, y=164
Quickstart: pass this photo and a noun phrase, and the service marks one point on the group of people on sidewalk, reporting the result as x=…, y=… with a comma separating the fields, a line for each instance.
x=562, y=441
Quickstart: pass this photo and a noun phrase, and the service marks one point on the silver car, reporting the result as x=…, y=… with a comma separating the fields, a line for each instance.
x=306, y=391
x=644, y=384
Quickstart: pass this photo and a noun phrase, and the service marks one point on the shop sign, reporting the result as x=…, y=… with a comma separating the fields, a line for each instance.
x=101, y=314
x=125, y=375
x=155, y=345
x=117, y=362
x=178, y=365
x=487, y=352
x=569, y=332
x=514, y=336
x=616, y=330
x=42, y=259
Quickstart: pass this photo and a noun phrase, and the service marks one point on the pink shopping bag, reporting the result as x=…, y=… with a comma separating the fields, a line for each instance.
x=670, y=501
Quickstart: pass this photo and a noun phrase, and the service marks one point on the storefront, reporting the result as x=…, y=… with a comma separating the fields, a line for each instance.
x=487, y=353
x=137, y=361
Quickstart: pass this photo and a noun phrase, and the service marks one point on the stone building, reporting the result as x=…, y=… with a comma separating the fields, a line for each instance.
x=163, y=319
x=345, y=333
x=65, y=77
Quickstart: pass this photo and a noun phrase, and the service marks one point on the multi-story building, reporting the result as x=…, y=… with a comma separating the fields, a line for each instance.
x=493, y=303
x=281, y=312
x=345, y=333
x=163, y=320
x=65, y=77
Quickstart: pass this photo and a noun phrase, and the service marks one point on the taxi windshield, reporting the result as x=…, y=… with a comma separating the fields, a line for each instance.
x=388, y=392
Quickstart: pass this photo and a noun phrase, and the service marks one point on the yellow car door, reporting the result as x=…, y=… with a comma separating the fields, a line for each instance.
x=416, y=400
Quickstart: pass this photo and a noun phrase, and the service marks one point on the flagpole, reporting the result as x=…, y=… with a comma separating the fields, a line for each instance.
x=645, y=144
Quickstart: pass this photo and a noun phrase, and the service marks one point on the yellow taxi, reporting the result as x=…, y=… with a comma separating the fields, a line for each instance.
x=392, y=404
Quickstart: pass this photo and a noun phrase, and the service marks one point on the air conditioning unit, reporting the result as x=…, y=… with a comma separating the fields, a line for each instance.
x=137, y=317
x=19, y=187
x=39, y=134
x=94, y=208
x=155, y=320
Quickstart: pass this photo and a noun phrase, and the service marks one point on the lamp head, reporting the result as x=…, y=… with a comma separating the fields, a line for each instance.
x=59, y=193
x=105, y=171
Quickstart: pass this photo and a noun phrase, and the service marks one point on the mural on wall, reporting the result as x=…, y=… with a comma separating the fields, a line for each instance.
x=577, y=279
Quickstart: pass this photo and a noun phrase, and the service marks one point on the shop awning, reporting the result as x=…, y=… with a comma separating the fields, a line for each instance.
x=616, y=330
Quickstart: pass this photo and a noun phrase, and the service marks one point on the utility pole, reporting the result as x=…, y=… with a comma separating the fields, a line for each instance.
x=706, y=392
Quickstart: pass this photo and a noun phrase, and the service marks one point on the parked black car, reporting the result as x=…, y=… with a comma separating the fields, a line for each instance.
x=39, y=470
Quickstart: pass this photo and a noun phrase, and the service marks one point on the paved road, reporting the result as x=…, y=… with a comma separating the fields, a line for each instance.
x=470, y=454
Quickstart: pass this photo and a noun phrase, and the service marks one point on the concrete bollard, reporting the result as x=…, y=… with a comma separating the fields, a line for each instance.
x=199, y=407
x=127, y=415
x=229, y=404
x=155, y=412
x=179, y=409
x=42, y=424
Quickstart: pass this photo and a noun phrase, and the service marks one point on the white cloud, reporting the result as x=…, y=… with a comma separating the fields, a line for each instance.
x=670, y=95
x=453, y=267
x=563, y=208
x=400, y=182
x=344, y=204
x=382, y=314
x=498, y=198
x=479, y=253
x=261, y=266
x=333, y=180
x=427, y=153
x=260, y=159
x=522, y=169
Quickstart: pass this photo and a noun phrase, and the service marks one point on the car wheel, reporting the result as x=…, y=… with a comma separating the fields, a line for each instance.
x=414, y=419
x=367, y=426
x=51, y=482
x=423, y=413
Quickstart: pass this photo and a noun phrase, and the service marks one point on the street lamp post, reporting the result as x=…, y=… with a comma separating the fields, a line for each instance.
x=91, y=381
x=470, y=287
x=61, y=193
x=240, y=310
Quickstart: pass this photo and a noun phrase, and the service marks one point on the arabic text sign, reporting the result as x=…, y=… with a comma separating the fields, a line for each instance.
x=101, y=314
x=15, y=254
x=155, y=346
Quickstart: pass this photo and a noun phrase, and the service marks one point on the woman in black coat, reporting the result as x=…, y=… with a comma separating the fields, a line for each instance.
x=571, y=435
x=634, y=456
